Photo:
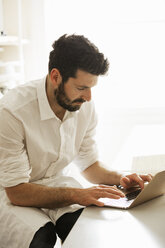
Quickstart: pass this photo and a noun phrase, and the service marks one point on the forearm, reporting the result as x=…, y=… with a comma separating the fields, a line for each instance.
x=98, y=174
x=34, y=195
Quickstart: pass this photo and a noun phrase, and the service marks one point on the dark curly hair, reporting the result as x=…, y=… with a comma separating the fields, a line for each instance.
x=73, y=52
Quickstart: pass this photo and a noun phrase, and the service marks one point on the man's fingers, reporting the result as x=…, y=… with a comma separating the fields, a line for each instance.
x=147, y=178
x=109, y=191
x=91, y=196
x=134, y=179
x=105, y=192
x=138, y=180
x=125, y=182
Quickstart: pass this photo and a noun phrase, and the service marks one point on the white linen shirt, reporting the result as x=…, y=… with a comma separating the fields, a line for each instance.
x=35, y=146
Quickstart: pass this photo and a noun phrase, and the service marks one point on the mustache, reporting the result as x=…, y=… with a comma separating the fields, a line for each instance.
x=78, y=100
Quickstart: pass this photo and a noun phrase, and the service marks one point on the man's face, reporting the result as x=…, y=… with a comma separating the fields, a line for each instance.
x=71, y=94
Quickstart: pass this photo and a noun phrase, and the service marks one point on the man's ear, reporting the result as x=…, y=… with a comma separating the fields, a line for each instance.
x=55, y=77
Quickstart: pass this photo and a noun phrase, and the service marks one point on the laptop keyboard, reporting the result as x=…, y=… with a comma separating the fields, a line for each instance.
x=124, y=202
x=132, y=195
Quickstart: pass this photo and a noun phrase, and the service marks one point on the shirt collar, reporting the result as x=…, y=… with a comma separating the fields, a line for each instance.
x=45, y=110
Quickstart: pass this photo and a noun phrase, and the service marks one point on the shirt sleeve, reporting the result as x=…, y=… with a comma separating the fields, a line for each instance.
x=14, y=164
x=88, y=152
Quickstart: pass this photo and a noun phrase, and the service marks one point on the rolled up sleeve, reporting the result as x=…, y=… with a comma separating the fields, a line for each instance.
x=14, y=164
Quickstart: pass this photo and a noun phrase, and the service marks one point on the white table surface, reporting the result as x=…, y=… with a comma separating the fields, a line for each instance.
x=139, y=227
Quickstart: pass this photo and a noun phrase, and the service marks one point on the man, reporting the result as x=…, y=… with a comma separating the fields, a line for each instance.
x=47, y=124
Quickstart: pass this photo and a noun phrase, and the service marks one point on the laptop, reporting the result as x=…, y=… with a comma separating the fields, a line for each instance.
x=136, y=196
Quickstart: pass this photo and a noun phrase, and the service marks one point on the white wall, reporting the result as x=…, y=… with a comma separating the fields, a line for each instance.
x=33, y=29
x=115, y=130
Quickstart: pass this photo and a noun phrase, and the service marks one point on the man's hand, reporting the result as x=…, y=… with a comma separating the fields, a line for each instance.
x=90, y=196
x=135, y=179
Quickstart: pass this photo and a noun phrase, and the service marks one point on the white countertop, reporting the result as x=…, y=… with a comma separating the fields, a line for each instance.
x=142, y=226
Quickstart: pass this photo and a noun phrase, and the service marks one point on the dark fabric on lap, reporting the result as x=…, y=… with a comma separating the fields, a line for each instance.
x=46, y=236
x=65, y=223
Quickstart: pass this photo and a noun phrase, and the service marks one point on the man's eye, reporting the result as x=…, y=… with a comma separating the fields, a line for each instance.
x=80, y=88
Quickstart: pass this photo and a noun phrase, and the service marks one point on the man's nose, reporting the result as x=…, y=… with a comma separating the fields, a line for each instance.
x=87, y=95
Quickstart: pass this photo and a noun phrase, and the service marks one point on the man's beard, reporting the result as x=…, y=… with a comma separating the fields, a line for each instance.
x=64, y=101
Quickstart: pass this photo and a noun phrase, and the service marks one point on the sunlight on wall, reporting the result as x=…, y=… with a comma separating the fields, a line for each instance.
x=130, y=33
